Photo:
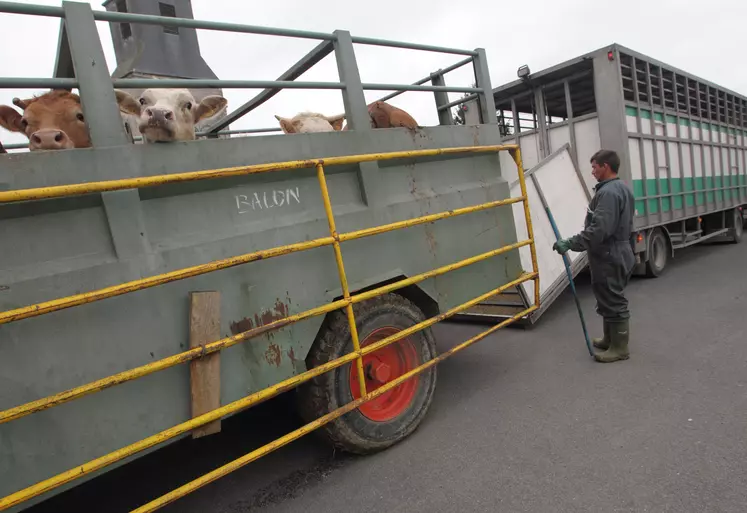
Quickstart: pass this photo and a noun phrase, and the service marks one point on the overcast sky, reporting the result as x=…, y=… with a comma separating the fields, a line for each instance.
x=706, y=41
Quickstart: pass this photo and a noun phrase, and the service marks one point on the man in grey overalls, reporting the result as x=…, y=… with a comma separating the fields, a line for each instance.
x=606, y=238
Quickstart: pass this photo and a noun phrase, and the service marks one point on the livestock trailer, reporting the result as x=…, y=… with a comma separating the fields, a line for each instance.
x=149, y=290
x=681, y=141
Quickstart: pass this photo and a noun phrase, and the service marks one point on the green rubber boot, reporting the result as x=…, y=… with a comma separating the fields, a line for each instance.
x=604, y=342
x=618, y=349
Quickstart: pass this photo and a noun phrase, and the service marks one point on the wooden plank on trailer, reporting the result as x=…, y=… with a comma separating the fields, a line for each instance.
x=204, y=372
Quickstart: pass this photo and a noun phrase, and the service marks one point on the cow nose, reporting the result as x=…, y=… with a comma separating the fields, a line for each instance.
x=49, y=139
x=159, y=114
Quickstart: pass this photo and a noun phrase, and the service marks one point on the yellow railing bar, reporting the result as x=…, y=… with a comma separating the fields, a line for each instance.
x=189, y=272
x=58, y=191
x=343, y=279
x=516, y=155
x=241, y=404
x=311, y=426
x=170, y=361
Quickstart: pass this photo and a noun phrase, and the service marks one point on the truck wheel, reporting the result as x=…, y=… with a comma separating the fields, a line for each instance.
x=658, y=254
x=737, y=231
x=392, y=416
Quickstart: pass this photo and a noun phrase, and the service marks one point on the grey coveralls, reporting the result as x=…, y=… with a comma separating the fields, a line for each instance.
x=606, y=238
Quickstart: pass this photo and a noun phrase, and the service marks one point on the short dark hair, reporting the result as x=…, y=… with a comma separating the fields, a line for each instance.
x=603, y=157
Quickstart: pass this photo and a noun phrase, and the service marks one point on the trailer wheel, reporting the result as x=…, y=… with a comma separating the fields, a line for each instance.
x=737, y=231
x=658, y=254
x=392, y=416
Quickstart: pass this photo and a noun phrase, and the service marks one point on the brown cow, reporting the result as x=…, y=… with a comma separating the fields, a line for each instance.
x=51, y=121
x=384, y=115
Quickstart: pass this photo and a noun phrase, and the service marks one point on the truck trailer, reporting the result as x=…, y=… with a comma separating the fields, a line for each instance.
x=680, y=138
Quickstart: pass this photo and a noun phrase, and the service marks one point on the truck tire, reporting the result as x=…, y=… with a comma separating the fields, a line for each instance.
x=658, y=254
x=391, y=417
x=737, y=227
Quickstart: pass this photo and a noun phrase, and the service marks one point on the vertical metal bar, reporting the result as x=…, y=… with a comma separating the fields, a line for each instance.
x=343, y=278
x=353, y=96
x=713, y=147
x=690, y=137
x=96, y=93
x=678, y=133
x=667, y=155
x=442, y=98
x=517, y=126
x=702, y=208
x=641, y=145
x=485, y=98
x=654, y=146
x=356, y=113
x=572, y=135
x=105, y=126
x=539, y=101
x=516, y=154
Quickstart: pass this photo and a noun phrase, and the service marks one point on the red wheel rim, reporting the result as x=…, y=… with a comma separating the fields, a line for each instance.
x=381, y=367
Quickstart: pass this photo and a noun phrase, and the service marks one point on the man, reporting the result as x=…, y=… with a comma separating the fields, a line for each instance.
x=606, y=238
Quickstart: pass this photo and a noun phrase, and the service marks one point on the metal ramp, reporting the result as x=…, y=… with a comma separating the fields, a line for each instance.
x=555, y=182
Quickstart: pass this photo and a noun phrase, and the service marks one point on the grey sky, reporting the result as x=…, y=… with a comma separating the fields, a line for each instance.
x=706, y=41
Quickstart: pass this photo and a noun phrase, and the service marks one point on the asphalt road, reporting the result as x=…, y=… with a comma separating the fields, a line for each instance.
x=522, y=422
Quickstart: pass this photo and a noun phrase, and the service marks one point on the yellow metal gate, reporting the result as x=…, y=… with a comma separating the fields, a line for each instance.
x=334, y=240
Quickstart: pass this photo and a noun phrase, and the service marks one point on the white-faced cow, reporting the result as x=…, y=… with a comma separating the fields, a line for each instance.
x=310, y=122
x=51, y=121
x=384, y=115
x=167, y=115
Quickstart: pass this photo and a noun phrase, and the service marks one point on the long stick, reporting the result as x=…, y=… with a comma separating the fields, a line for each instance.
x=570, y=280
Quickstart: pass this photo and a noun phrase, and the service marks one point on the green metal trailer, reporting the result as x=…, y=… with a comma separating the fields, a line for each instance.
x=98, y=281
x=681, y=139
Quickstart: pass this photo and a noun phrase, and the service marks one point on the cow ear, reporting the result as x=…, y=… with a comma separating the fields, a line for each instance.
x=336, y=121
x=209, y=106
x=127, y=103
x=286, y=124
x=10, y=119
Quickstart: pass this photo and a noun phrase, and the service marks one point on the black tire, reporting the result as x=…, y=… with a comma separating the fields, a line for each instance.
x=355, y=432
x=658, y=254
x=736, y=234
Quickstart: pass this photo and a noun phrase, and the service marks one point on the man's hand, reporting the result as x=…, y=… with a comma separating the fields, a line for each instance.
x=562, y=246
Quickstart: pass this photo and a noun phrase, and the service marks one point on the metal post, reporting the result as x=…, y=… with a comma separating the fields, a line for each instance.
x=444, y=116
x=356, y=112
x=96, y=92
x=485, y=98
x=539, y=102
x=105, y=125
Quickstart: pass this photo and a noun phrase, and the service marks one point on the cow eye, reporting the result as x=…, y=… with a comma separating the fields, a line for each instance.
x=80, y=117
x=142, y=101
x=188, y=106
x=24, y=123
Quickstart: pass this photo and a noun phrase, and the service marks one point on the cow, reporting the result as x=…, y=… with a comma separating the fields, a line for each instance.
x=51, y=121
x=384, y=115
x=167, y=115
x=310, y=122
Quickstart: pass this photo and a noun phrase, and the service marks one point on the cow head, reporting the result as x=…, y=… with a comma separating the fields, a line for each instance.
x=52, y=121
x=309, y=122
x=167, y=115
x=384, y=115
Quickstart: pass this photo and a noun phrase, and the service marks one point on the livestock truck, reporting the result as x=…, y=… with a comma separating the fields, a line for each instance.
x=149, y=290
x=681, y=141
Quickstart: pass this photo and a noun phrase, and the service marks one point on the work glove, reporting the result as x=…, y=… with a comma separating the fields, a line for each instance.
x=562, y=246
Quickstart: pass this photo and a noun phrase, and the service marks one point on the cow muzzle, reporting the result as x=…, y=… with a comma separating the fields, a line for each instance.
x=50, y=139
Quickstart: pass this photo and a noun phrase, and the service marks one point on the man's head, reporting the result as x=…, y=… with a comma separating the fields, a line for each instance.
x=51, y=121
x=604, y=165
